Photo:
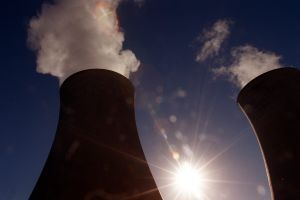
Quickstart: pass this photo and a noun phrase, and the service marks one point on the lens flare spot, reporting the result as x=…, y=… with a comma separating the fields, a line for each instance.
x=175, y=155
x=106, y=13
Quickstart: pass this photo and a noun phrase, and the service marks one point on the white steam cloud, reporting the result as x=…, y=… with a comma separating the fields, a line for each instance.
x=73, y=35
x=213, y=39
x=248, y=63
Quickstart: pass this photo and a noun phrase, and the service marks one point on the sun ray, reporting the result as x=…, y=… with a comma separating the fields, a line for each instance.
x=226, y=181
x=226, y=149
x=147, y=192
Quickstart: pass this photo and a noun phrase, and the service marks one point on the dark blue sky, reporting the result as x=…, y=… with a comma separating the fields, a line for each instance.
x=162, y=34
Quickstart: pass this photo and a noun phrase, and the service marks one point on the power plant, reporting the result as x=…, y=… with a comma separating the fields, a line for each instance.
x=96, y=153
x=272, y=104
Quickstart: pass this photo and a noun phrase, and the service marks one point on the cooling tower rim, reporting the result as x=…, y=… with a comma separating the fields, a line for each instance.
x=258, y=79
x=97, y=70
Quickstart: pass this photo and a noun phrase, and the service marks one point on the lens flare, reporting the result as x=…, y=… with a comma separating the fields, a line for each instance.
x=106, y=14
x=189, y=180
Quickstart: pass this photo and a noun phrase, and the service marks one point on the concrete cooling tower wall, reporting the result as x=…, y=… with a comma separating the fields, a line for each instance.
x=96, y=154
x=272, y=104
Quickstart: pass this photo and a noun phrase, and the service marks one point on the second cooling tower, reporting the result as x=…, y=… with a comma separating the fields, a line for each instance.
x=96, y=154
x=272, y=104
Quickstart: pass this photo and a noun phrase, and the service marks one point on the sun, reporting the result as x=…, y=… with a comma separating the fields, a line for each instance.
x=189, y=181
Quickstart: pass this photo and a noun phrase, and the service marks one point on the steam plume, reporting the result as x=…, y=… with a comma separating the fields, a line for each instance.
x=213, y=39
x=73, y=35
x=248, y=63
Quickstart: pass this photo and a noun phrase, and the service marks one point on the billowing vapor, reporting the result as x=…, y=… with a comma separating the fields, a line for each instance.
x=213, y=39
x=248, y=63
x=73, y=35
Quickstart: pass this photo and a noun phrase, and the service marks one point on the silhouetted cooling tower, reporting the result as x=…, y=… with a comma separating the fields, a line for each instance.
x=272, y=104
x=96, y=154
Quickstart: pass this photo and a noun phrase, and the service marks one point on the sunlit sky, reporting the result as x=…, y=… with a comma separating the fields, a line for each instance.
x=185, y=113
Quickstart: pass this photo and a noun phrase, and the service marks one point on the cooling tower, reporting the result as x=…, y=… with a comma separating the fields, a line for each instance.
x=272, y=104
x=96, y=154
